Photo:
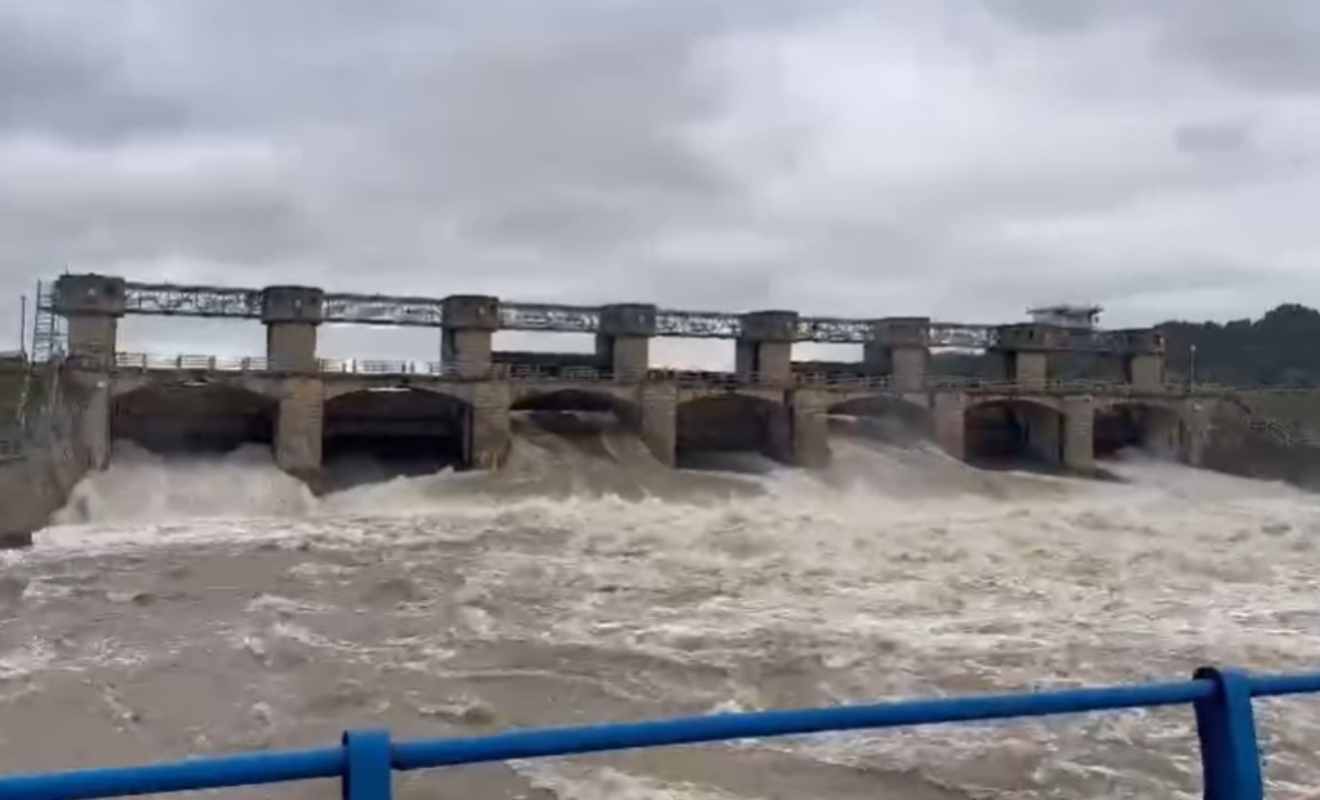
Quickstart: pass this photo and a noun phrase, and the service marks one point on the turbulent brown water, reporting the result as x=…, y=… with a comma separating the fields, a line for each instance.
x=214, y=605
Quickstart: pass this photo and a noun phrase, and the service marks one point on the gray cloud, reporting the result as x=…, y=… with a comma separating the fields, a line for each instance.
x=1260, y=45
x=961, y=160
x=1212, y=137
x=1268, y=46
x=59, y=85
x=1051, y=17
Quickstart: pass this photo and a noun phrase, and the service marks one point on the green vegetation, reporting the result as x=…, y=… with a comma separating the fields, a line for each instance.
x=1280, y=348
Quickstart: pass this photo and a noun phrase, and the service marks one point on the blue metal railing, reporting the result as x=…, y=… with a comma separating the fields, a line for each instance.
x=364, y=761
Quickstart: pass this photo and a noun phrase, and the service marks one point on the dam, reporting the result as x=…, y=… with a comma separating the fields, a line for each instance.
x=456, y=411
x=584, y=579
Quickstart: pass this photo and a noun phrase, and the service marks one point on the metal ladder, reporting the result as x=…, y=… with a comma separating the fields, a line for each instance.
x=48, y=330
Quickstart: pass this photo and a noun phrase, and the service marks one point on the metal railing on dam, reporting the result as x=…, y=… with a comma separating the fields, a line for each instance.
x=147, y=362
x=1231, y=760
x=533, y=373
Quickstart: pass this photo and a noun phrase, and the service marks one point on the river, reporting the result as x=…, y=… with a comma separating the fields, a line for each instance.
x=211, y=605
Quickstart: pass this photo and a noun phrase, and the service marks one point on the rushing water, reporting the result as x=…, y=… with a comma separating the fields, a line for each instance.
x=205, y=606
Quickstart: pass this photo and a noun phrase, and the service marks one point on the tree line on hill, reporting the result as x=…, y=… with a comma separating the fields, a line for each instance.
x=1281, y=348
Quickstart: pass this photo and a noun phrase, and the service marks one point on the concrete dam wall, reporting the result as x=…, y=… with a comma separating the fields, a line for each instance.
x=316, y=415
x=337, y=431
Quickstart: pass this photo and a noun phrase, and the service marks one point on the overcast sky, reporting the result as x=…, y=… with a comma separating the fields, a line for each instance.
x=961, y=159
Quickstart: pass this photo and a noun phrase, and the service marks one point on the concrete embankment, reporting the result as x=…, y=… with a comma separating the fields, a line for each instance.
x=49, y=462
x=1269, y=434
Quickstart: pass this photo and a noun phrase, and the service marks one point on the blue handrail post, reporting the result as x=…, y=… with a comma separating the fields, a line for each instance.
x=1226, y=726
x=367, y=767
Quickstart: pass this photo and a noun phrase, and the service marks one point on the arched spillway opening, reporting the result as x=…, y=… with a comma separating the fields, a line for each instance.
x=722, y=431
x=576, y=402
x=886, y=419
x=1013, y=432
x=193, y=418
x=1152, y=428
x=570, y=412
x=377, y=434
x=577, y=431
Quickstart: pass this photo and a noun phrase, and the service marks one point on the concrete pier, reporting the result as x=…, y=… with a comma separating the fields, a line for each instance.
x=1143, y=358
x=765, y=345
x=1196, y=428
x=95, y=425
x=470, y=322
x=809, y=416
x=949, y=417
x=489, y=429
x=88, y=393
x=92, y=305
x=298, y=427
x=900, y=348
x=1079, y=433
x=291, y=315
x=659, y=423
x=1024, y=352
x=623, y=343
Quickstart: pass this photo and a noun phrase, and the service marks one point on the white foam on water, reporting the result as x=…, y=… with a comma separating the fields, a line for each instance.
x=142, y=486
x=25, y=659
x=896, y=573
x=578, y=782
